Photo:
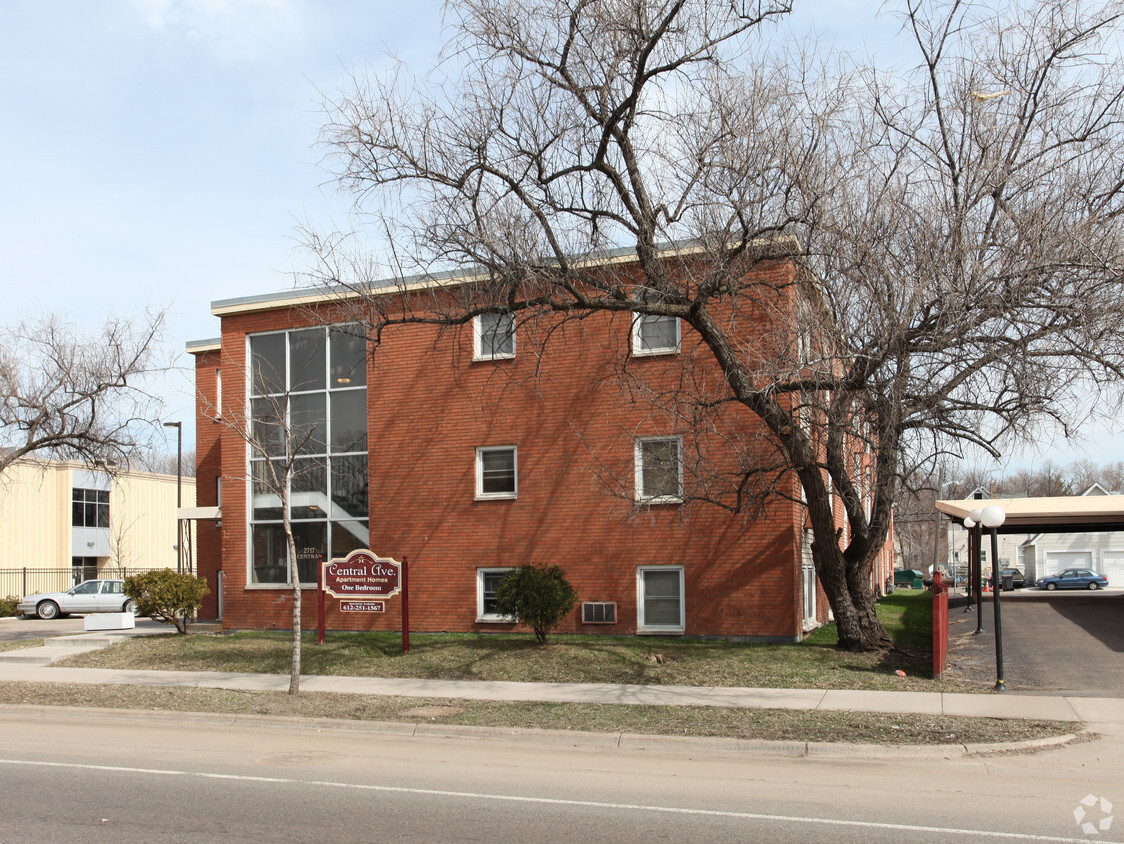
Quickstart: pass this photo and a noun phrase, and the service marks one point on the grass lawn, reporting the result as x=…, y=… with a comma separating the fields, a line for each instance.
x=813, y=663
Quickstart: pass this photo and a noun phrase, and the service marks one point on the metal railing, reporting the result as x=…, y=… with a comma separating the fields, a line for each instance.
x=28, y=581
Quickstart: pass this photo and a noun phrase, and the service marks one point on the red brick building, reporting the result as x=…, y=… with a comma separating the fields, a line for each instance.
x=470, y=450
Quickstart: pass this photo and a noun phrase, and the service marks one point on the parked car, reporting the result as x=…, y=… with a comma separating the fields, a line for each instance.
x=1018, y=580
x=87, y=597
x=1074, y=579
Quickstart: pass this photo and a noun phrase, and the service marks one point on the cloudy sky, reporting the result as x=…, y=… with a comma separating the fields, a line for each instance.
x=158, y=154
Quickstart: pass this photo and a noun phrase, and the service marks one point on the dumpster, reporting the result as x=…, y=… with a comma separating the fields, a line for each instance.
x=909, y=578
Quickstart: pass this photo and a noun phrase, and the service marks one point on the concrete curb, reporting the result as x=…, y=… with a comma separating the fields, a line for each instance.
x=555, y=738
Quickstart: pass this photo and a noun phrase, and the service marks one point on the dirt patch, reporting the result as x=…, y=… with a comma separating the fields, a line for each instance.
x=431, y=711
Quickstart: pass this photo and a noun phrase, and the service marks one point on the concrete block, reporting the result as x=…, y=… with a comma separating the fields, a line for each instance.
x=110, y=621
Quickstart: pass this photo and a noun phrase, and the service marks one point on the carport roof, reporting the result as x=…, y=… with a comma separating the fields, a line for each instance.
x=1056, y=514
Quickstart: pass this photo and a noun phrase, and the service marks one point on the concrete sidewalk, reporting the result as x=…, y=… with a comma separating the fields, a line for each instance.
x=1106, y=715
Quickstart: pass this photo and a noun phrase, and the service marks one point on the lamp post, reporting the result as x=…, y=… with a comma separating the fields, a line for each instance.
x=970, y=580
x=992, y=517
x=973, y=523
x=179, y=489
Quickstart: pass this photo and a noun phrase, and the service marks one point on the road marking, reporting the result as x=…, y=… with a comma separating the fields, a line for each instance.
x=552, y=801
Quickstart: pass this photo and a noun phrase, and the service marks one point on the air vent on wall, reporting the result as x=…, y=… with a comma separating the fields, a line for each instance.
x=599, y=613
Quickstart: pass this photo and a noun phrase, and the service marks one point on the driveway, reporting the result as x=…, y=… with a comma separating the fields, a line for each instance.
x=14, y=629
x=1053, y=642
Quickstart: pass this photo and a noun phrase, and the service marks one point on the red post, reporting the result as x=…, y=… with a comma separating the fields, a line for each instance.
x=405, y=605
x=940, y=624
x=320, y=603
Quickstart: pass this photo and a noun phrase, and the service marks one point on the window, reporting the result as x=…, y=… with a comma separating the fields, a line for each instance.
x=487, y=581
x=90, y=508
x=493, y=337
x=308, y=395
x=218, y=392
x=659, y=470
x=496, y=472
x=808, y=574
x=653, y=334
x=659, y=599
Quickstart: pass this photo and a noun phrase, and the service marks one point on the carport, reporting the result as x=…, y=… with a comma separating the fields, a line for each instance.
x=1056, y=514
x=1069, y=642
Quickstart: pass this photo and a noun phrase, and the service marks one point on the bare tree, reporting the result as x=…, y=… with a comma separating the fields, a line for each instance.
x=299, y=462
x=159, y=461
x=276, y=441
x=960, y=250
x=79, y=396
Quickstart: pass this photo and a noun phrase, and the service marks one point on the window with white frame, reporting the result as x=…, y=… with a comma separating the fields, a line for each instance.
x=308, y=401
x=493, y=336
x=497, y=472
x=487, y=582
x=659, y=470
x=654, y=334
x=659, y=599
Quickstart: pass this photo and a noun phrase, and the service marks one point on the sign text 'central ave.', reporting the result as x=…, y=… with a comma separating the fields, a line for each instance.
x=362, y=575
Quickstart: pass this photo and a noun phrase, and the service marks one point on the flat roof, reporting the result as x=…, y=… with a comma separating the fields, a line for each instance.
x=780, y=246
x=211, y=344
x=1048, y=514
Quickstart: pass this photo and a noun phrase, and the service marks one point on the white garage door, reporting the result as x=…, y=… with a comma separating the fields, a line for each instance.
x=1059, y=561
x=1113, y=568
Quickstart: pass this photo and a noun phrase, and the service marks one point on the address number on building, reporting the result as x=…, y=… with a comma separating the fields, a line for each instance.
x=362, y=606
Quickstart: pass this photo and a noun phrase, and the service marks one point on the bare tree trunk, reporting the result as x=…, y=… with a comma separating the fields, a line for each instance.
x=295, y=583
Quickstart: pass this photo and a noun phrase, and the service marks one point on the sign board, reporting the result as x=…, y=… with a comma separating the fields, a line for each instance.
x=362, y=575
x=362, y=606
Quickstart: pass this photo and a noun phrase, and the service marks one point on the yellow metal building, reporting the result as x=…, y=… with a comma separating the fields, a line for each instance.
x=62, y=522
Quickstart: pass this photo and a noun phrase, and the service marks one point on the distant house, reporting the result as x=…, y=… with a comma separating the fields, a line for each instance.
x=1010, y=546
x=61, y=523
x=473, y=451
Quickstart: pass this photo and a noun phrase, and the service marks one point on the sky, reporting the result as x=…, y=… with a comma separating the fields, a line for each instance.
x=158, y=155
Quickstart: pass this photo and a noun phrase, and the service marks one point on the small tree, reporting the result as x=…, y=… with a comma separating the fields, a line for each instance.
x=166, y=595
x=540, y=595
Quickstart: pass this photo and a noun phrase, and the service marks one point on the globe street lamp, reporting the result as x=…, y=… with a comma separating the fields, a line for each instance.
x=992, y=517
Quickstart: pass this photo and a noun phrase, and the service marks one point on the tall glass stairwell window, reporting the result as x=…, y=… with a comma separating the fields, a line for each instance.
x=308, y=400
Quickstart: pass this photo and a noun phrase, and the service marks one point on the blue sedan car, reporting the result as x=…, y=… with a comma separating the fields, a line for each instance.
x=1073, y=579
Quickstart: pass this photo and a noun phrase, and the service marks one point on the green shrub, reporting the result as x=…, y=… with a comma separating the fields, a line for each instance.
x=8, y=606
x=540, y=595
x=166, y=595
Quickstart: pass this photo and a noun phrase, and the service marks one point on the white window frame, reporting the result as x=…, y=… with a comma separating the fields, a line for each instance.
x=638, y=347
x=506, y=495
x=638, y=471
x=485, y=617
x=479, y=352
x=642, y=626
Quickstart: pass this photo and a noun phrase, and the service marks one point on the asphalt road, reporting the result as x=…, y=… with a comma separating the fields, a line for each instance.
x=1053, y=643
x=93, y=777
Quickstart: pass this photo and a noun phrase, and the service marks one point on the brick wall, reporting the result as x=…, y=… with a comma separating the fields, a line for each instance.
x=573, y=401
